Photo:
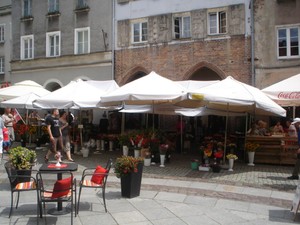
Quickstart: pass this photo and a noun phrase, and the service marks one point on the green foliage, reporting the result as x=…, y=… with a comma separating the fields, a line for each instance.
x=127, y=164
x=22, y=158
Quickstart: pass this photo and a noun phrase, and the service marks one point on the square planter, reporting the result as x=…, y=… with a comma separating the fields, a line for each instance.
x=131, y=184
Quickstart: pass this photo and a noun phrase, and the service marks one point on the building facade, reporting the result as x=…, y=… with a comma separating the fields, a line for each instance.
x=56, y=41
x=201, y=40
x=5, y=42
x=277, y=38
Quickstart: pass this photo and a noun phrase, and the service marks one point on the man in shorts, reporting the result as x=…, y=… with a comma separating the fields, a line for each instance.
x=54, y=132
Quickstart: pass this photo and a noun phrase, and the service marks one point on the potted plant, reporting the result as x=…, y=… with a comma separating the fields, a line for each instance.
x=163, y=148
x=129, y=170
x=22, y=129
x=22, y=158
x=231, y=158
x=251, y=147
x=147, y=159
x=124, y=142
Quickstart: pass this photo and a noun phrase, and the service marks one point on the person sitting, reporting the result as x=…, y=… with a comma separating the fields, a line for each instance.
x=262, y=130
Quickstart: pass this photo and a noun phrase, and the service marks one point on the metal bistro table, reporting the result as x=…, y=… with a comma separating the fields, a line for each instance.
x=50, y=167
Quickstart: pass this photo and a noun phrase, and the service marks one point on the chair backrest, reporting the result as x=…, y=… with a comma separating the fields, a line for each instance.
x=17, y=176
x=53, y=188
x=107, y=167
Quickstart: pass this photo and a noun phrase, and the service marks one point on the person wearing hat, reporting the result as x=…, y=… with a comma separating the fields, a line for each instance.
x=295, y=173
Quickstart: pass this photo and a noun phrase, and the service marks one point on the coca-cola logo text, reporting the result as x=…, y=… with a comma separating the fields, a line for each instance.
x=289, y=95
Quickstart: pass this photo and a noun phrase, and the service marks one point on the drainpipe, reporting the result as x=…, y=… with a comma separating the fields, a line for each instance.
x=113, y=41
x=253, y=80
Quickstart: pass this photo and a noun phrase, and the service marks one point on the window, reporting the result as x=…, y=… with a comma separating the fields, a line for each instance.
x=27, y=4
x=27, y=47
x=1, y=65
x=2, y=33
x=81, y=4
x=182, y=27
x=53, y=44
x=82, y=40
x=217, y=22
x=53, y=6
x=288, y=42
x=140, y=32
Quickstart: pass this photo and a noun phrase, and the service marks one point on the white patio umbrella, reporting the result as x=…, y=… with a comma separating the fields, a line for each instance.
x=21, y=102
x=148, y=90
x=22, y=88
x=285, y=92
x=233, y=96
x=77, y=94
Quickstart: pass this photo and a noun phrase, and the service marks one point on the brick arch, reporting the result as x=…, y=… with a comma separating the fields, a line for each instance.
x=129, y=75
x=202, y=64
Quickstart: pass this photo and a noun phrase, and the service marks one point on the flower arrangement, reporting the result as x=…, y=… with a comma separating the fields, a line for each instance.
x=218, y=154
x=126, y=164
x=124, y=140
x=21, y=129
x=22, y=158
x=207, y=152
x=251, y=146
x=163, y=148
x=231, y=156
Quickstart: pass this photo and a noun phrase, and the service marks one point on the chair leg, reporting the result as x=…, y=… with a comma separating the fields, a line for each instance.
x=75, y=207
x=11, y=203
x=103, y=196
x=18, y=200
x=78, y=199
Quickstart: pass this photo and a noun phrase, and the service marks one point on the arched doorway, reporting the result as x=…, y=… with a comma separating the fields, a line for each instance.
x=204, y=74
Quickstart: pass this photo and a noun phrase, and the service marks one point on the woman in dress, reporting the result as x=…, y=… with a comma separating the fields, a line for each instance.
x=64, y=127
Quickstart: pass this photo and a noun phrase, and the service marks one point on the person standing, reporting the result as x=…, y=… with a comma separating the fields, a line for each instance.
x=292, y=132
x=295, y=173
x=8, y=120
x=103, y=125
x=64, y=127
x=54, y=132
x=1, y=137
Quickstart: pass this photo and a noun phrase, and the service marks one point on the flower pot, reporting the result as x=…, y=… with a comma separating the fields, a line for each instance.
x=216, y=168
x=162, y=160
x=102, y=145
x=111, y=146
x=147, y=161
x=231, y=163
x=194, y=165
x=136, y=153
x=125, y=150
x=98, y=144
x=251, y=158
x=131, y=183
x=85, y=152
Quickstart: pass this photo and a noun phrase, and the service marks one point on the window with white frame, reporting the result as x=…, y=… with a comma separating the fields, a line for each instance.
x=2, y=33
x=217, y=22
x=139, y=32
x=182, y=27
x=53, y=6
x=53, y=44
x=1, y=65
x=288, y=39
x=27, y=6
x=27, y=47
x=82, y=40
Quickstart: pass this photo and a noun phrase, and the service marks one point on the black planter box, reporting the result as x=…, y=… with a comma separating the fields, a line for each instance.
x=131, y=184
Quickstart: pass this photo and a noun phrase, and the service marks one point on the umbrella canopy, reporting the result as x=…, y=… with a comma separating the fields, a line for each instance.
x=22, y=102
x=22, y=88
x=148, y=90
x=285, y=92
x=78, y=94
x=233, y=96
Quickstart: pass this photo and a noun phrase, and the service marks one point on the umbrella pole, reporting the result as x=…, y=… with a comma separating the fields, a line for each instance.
x=226, y=127
x=181, y=135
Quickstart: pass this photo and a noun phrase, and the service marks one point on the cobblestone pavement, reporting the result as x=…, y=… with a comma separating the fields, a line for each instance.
x=260, y=175
x=174, y=194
